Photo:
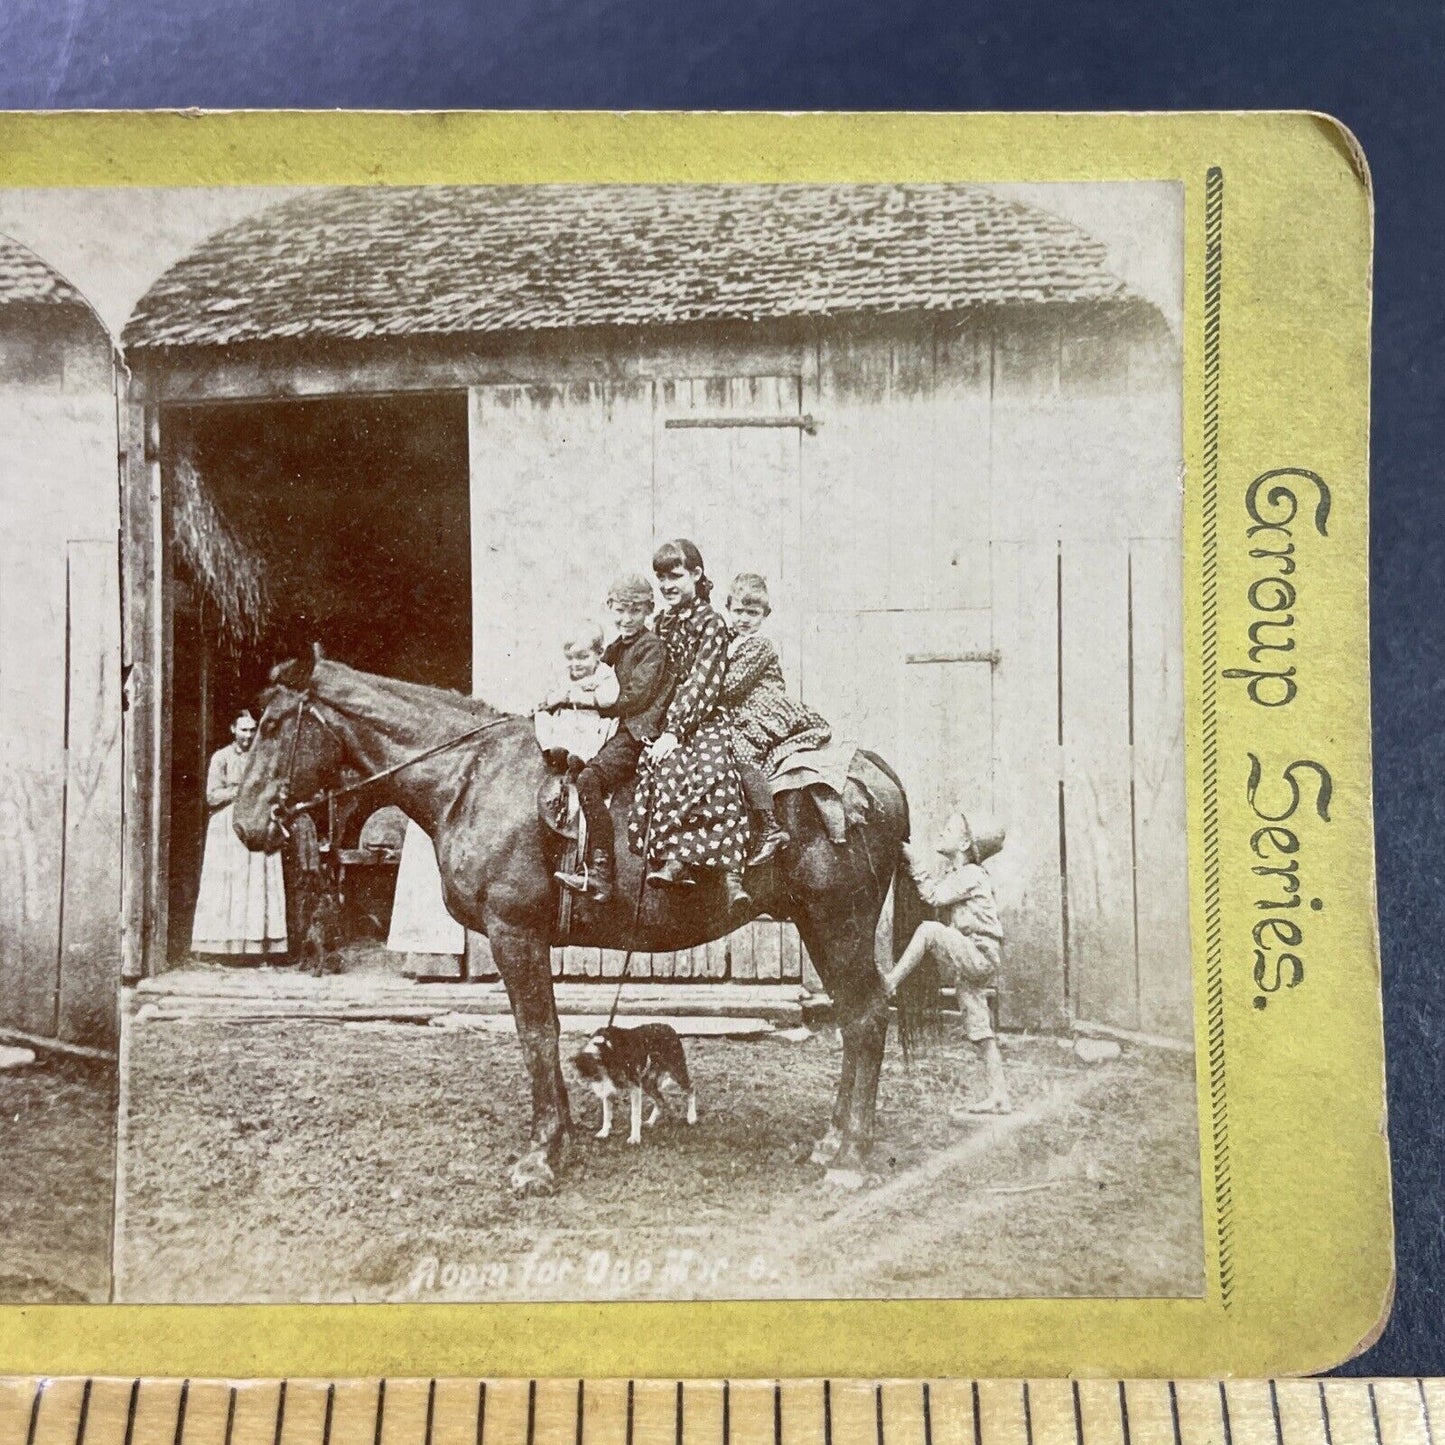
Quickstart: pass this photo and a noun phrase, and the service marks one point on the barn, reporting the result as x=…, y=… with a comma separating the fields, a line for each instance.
x=439, y=419
x=60, y=677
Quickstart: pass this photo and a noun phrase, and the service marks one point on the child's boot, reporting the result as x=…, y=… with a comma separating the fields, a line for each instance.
x=739, y=899
x=772, y=839
x=596, y=881
x=672, y=874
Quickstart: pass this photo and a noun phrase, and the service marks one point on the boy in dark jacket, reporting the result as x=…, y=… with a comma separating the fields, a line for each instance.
x=644, y=689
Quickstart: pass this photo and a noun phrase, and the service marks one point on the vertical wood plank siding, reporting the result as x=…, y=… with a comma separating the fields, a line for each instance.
x=138, y=697
x=60, y=778
x=91, y=880
x=975, y=569
x=1159, y=790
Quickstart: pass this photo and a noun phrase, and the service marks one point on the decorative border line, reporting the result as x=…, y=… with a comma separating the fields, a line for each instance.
x=1214, y=940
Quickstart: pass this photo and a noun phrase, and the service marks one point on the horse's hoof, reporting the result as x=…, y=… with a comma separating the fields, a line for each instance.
x=850, y=1179
x=825, y=1151
x=532, y=1176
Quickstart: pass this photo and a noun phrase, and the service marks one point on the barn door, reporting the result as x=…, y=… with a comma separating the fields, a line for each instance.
x=560, y=504
x=726, y=473
x=916, y=687
x=60, y=717
x=560, y=499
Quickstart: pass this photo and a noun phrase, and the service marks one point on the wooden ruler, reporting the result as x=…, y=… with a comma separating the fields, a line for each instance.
x=74, y=1411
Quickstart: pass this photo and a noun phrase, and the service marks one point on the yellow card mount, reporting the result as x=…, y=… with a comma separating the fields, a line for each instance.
x=982, y=979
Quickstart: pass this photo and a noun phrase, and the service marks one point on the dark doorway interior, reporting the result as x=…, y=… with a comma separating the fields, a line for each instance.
x=359, y=510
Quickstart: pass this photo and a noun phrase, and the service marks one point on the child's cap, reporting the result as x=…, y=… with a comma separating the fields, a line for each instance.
x=749, y=587
x=631, y=590
x=979, y=835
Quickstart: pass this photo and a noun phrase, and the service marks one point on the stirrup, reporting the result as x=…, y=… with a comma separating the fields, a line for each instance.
x=579, y=882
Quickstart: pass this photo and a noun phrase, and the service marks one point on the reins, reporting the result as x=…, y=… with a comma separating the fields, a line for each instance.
x=636, y=920
x=284, y=813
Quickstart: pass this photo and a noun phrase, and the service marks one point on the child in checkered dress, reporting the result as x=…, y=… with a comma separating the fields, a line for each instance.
x=768, y=726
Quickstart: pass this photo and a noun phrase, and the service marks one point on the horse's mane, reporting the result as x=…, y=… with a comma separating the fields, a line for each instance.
x=422, y=692
x=424, y=696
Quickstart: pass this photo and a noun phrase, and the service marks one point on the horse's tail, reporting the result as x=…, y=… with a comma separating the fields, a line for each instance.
x=918, y=1000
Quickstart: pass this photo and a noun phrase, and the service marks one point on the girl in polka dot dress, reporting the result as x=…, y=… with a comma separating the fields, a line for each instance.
x=687, y=783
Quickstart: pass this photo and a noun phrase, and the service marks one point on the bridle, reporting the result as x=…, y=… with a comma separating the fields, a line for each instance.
x=283, y=811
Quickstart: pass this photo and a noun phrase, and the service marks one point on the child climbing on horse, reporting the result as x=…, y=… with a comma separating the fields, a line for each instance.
x=689, y=813
x=768, y=726
x=639, y=661
x=966, y=946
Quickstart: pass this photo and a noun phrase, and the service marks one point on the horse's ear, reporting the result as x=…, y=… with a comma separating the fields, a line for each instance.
x=295, y=672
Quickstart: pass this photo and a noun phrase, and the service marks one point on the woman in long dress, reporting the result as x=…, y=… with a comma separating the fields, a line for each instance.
x=420, y=922
x=241, y=904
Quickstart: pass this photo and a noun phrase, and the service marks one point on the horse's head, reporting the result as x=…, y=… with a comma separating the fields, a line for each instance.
x=296, y=754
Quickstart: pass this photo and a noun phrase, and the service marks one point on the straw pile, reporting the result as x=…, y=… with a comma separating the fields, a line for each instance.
x=231, y=574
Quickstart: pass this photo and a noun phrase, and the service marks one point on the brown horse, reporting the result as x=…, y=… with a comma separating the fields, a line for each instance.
x=478, y=802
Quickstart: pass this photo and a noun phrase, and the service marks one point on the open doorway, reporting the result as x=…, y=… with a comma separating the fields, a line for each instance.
x=355, y=513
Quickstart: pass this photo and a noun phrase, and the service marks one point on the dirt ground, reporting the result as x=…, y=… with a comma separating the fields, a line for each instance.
x=57, y=1164
x=312, y=1161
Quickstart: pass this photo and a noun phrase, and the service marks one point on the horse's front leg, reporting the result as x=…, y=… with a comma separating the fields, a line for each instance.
x=523, y=958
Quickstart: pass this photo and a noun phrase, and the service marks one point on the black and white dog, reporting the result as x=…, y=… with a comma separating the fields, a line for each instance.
x=641, y=1060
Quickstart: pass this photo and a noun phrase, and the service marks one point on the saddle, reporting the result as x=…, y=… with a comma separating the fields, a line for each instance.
x=822, y=776
x=564, y=830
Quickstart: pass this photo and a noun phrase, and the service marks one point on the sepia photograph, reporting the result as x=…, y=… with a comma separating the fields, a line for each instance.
x=600, y=742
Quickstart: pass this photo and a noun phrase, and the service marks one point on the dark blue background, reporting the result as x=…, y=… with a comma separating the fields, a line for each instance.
x=1375, y=65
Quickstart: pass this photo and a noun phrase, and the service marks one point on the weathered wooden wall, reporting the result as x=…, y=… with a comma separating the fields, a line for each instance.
x=976, y=570
x=1087, y=454
x=60, y=683
x=975, y=561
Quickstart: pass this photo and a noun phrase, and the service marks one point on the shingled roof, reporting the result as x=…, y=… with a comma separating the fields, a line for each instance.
x=25, y=278
x=365, y=263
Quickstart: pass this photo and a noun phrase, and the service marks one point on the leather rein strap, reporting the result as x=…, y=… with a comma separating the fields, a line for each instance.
x=305, y=705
